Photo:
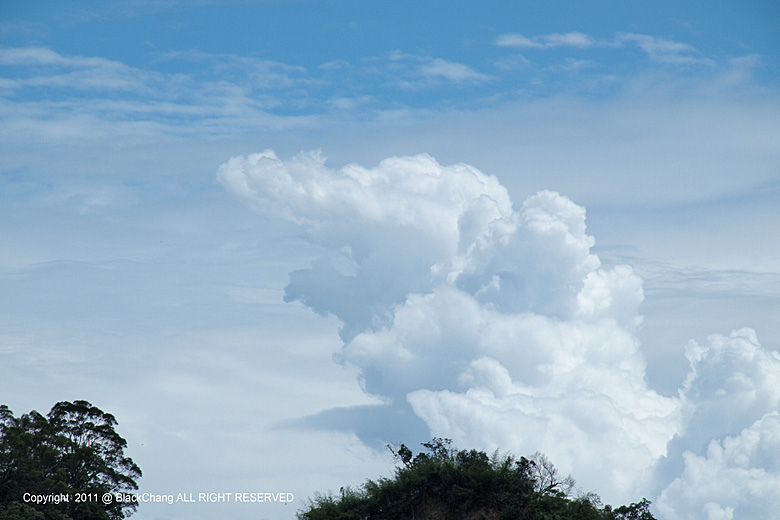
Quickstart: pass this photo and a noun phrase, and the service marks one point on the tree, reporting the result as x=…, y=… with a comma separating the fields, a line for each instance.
x=443, y=483
x=74, y=451
x=547, y=481
x=638, y=511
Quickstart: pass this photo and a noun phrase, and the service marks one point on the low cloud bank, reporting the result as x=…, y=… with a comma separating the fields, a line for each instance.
x=500, y=329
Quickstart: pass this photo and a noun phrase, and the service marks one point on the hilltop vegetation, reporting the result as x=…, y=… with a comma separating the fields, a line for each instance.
x=444, y=484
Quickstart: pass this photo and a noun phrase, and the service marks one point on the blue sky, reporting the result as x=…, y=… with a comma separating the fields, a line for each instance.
x=271, y=237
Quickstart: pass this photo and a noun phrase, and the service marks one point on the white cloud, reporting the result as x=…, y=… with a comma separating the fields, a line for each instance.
x=665, y=51
x=488, y=346
x=516, y=40
x=513, y=62
x=572, y=65
x=450, y=289
x=500, y=328
x=737, y=478
x=571, y=39
x=89, y=97
x=659, y=50
x=455, y=72
x=412, y=71
x=573, y=388
x=254, y=72
x=53, y=70
x=547, y=41
x=335, y=66
x=366, y=217
x=733, y=381
x=351, y=103
x=36, y=56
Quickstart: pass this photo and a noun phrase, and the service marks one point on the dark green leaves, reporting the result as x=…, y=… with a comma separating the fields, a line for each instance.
x=73, y=450
x=446, y=483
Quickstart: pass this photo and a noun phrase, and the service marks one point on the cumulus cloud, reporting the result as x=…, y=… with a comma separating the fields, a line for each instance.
x=733, y=381
x=389, y=231
x=498, y=326
x=736, y=478
x=730, y=467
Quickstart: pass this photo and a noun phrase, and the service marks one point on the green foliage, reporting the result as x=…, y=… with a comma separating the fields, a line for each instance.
x=19, y=511
x=73, y=450
x=638, y=511
x=444, y=483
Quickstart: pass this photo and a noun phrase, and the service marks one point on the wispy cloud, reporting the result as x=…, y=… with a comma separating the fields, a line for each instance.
x=49, y=93
x=192, y=91
x=335, y=65
x=659, y=50
x=256, y=73
x=351, y=103
x=548, y=41
x=31, y=56
x=42, y=67
x=451, y=71
x=665, y=51
x=413, y=71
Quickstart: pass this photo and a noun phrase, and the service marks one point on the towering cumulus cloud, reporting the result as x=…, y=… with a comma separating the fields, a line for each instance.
x=500, y=329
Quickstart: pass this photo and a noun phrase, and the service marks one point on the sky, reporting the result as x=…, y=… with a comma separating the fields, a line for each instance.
x=272, y=237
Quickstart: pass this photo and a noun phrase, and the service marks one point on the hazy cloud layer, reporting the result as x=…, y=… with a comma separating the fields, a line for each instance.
x=185, y=92
x=501, y=329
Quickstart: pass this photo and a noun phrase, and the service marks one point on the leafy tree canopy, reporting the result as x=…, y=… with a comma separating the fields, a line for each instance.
x=444, y=483
x=72, y=452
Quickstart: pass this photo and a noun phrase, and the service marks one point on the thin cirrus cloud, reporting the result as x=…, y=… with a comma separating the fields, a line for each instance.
x=415, y=71
x=44, y=56
x=499, y=327
x=665, y=51
x=262, y=73
x=548, y=41
x=87, y=97
x=47, y=68
x=222, y=92
x=455, y=72
x=659, y=50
